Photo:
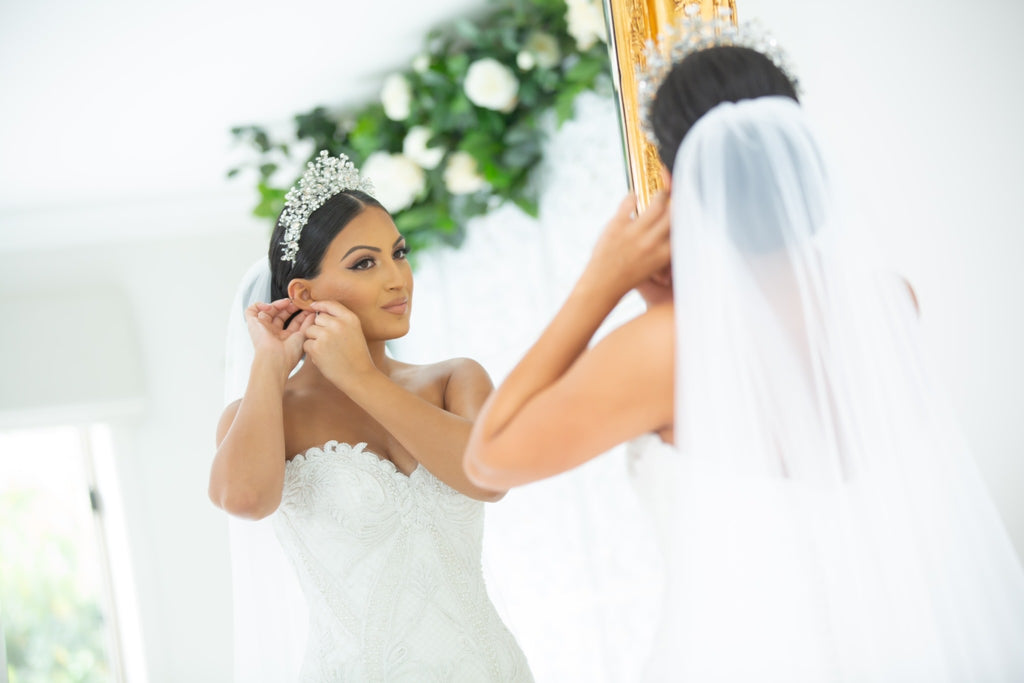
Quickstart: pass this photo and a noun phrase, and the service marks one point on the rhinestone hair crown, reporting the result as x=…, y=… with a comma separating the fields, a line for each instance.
x=325, y=177
x=694, y=34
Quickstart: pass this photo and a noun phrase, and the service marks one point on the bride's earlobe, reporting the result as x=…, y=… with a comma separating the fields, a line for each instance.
x=299, y=293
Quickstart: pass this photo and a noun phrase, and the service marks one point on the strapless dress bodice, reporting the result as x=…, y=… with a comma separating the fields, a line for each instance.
x=390, y=566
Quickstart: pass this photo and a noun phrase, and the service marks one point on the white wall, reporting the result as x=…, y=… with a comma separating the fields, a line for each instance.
x=179, y=290
x=922, y=107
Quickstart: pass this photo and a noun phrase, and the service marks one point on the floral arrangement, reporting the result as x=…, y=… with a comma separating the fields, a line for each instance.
x=459, y=131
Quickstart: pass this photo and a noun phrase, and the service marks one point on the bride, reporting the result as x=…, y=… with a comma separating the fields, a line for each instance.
x=821, y=517
x=356, y=456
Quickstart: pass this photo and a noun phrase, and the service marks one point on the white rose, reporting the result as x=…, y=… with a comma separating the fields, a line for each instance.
x=544, y=48
x=421, y=63
x=415, y=147
x=461, y=175
x=396, y=96
x=397, y=180
x=525, y=60
x=586, y=22
x=492, y=85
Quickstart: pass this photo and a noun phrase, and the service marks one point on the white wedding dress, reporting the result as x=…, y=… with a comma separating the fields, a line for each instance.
x=390, y=567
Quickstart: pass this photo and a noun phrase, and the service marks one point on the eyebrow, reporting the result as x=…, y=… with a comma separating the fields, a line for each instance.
x=365, y=246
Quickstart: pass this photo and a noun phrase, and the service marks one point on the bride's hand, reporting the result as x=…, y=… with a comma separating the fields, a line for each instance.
x=336, y=345
x=632, y=248
x=270, y=335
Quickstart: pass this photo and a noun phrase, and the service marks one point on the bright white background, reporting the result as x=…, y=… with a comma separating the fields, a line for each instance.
x=113, y=143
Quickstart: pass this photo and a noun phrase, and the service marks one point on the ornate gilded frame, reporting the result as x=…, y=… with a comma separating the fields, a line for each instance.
x=631, y=24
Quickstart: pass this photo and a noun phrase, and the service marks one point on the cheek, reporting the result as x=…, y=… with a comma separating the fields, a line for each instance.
x=349, y=295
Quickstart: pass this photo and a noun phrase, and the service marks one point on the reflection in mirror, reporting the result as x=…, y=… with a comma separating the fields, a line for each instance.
x=351, y=459
x=631, y=24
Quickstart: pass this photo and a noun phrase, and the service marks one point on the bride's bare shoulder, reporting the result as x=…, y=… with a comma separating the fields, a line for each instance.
x=643, y=346
x=443, y=370
x=654, y=329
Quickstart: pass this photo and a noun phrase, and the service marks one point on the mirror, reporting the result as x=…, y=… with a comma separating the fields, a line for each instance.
x=632, y=23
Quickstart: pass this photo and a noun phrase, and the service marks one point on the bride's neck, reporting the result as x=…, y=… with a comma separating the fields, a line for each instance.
x=310, y=373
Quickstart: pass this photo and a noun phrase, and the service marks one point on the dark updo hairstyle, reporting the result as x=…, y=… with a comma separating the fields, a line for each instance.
x=705, y=79
x=323, y=226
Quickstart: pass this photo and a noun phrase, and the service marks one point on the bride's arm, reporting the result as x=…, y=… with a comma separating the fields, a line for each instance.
x=617, y=390
x=436, y=437
x=247, y=475
x=561, y=405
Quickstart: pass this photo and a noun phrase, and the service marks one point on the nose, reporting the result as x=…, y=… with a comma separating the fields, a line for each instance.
x=393, y=275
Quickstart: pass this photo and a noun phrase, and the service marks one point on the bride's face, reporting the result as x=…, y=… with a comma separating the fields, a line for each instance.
x=365, y=269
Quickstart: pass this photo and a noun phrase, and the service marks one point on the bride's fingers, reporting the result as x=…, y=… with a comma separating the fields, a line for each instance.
x=311, y=330
x=627, y=207
x=284, y=305
x=300, y=322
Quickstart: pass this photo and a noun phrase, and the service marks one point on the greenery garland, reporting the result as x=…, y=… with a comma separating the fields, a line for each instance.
x=459, y=132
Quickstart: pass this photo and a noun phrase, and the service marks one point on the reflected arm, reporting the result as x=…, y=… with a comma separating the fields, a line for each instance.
x=247, y=476
x=436, y=437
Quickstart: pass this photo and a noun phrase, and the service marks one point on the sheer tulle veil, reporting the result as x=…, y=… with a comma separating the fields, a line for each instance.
x=270, y=615
x=829, y=523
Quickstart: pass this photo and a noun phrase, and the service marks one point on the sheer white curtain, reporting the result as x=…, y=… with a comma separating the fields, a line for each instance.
x=570, y=561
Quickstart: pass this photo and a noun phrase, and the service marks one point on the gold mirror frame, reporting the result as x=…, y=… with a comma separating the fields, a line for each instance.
x=631, y=24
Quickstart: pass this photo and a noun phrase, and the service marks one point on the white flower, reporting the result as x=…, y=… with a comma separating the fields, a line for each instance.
x=586, y=22
x=525, y=60
x=461, y=175
x=415, y=147
x=397, y=180
x=396, y=96
x=421, y=63
x=492, y=85
x=544, y=49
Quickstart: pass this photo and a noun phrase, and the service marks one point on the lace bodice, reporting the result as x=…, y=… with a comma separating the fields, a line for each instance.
x=390, y=566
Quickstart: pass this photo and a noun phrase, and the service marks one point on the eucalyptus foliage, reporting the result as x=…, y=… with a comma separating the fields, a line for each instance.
x=506, y=145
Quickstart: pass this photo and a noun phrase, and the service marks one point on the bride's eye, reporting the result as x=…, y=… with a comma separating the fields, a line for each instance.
x=362, y=264
x=401, y=253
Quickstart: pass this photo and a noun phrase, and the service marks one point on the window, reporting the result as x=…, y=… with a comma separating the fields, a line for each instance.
x=58, y=560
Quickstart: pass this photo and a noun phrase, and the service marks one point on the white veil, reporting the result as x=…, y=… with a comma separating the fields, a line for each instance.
x=270, y=615
x=829, y=523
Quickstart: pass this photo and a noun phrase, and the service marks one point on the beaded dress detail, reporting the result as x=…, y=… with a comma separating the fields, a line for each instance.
x=390, y=567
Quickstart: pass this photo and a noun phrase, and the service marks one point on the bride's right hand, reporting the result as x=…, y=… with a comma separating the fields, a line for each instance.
x=632, y=247
x=272, y=337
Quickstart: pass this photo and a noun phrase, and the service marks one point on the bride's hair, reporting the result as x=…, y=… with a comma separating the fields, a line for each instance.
x=323, y=226
x=705, y=79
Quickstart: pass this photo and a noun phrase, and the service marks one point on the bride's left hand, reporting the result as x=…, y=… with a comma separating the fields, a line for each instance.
x=632, y=247
x=336, y=345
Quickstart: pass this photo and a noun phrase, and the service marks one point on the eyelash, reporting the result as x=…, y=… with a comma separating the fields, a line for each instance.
x=399, y=254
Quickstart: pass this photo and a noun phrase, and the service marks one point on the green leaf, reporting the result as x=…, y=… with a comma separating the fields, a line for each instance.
x=457, y=65
x=584, y=71
x=467, y=30
x=564, y=102
x=529, y=206
x=271, y=201
x=261, y=139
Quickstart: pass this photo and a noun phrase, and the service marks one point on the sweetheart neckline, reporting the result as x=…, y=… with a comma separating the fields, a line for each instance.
x=332, y=447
